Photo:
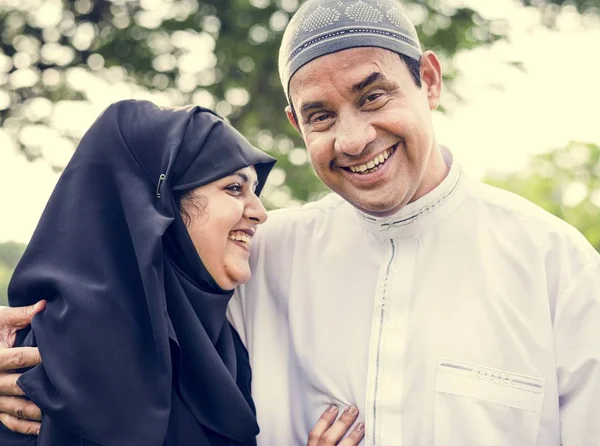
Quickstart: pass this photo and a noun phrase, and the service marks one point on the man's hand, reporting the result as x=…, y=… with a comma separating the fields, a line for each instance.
x=16, y=412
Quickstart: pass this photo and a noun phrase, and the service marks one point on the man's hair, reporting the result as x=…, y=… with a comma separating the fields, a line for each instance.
x=413, y=65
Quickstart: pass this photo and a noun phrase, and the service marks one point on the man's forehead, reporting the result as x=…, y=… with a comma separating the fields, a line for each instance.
x=352, y=67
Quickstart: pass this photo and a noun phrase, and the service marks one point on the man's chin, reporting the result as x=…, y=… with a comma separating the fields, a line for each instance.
x=379, y=209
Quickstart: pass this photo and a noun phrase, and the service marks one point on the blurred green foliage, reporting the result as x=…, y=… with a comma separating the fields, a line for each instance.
x=550, y=8
x=5, y=274
x=10, y=253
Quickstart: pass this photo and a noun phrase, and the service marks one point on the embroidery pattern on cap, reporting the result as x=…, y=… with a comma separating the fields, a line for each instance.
x=320, y=18
x=394, y=16
x=363, y=12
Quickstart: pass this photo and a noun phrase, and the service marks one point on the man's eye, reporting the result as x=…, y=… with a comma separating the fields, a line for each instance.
x=373, y=97
x=318, y=118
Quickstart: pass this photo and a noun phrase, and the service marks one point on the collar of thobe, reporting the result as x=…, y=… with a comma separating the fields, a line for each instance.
x=423, y=213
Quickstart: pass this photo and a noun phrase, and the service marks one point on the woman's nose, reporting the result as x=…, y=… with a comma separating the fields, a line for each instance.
x=255, y=210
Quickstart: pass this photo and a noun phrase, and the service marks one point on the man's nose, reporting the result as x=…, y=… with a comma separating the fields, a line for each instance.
x=353, y=134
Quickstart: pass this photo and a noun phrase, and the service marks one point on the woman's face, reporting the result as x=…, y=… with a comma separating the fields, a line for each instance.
x=223, y=216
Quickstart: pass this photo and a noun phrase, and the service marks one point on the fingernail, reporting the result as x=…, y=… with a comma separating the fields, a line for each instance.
x=332, y=408
x=351, y=410
x=360, y=427
x=37, y=432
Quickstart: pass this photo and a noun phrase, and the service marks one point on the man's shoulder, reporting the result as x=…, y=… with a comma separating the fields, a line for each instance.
x=291, y=230
x=317, y=212
x=513, y=205
x=509, y=210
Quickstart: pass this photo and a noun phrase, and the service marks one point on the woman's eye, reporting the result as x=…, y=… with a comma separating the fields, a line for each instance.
x=236, y=189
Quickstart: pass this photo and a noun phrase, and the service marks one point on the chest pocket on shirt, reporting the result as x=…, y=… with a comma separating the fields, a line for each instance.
x=480, y=406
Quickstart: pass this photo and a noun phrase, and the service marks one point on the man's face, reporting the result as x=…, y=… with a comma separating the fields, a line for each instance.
x=367, y=126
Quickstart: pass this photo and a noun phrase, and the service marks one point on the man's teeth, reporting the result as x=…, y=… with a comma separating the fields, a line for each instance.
x=240, y=237
x=379, y=159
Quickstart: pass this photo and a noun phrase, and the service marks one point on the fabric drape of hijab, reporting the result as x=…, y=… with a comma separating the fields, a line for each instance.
x=132, y=314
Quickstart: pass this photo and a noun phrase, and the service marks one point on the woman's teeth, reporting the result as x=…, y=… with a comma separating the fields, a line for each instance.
x=372, y=165
x=240, y=237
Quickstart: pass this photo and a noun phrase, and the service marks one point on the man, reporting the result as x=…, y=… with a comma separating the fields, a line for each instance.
x=460, y=314
x=449, y=312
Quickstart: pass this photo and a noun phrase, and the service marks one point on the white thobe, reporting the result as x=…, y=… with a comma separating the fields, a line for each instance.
x=471, y=317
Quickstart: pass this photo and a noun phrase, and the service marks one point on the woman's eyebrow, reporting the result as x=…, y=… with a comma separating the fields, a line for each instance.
x=245, y=178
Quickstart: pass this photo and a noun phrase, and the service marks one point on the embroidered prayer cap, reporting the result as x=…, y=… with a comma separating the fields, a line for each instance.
x=322, y=27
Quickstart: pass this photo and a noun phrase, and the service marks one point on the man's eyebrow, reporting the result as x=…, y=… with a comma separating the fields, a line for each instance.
x=371, y=78
x=310, y=106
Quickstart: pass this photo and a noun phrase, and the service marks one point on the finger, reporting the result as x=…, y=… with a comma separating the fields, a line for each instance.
x=340, y=427
x=20, y=408
x=355, y=436
x=20, y=426
x=8, y=384
x=325, y=421
x=18, y=358
x=20, y=317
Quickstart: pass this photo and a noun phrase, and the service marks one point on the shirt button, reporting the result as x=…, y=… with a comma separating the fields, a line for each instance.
x=392, y=326
x=384, y=435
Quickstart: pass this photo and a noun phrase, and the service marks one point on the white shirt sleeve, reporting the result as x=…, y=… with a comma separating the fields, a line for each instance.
x=235, y=313
x=577, y=344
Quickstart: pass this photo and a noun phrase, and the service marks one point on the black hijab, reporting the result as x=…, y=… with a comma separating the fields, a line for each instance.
x=132, y=313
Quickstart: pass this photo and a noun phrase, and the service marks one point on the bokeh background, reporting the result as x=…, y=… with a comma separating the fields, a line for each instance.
x=520, y=107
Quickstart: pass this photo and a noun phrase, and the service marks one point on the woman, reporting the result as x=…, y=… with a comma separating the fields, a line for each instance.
x=137, y=253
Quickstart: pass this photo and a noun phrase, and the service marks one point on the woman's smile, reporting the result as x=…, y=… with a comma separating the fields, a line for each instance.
x=241, y=238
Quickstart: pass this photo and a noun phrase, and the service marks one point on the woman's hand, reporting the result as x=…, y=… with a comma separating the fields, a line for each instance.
x=328, y=431
x=16, y=412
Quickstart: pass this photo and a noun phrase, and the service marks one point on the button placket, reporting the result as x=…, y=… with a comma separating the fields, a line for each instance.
x=392, y=374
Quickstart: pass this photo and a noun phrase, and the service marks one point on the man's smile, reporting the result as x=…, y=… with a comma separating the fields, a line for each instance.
x=361, y=177
x=373, y=164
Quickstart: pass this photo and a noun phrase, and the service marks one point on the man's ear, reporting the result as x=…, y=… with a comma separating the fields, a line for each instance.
x=289, y=112
x=431, y=76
